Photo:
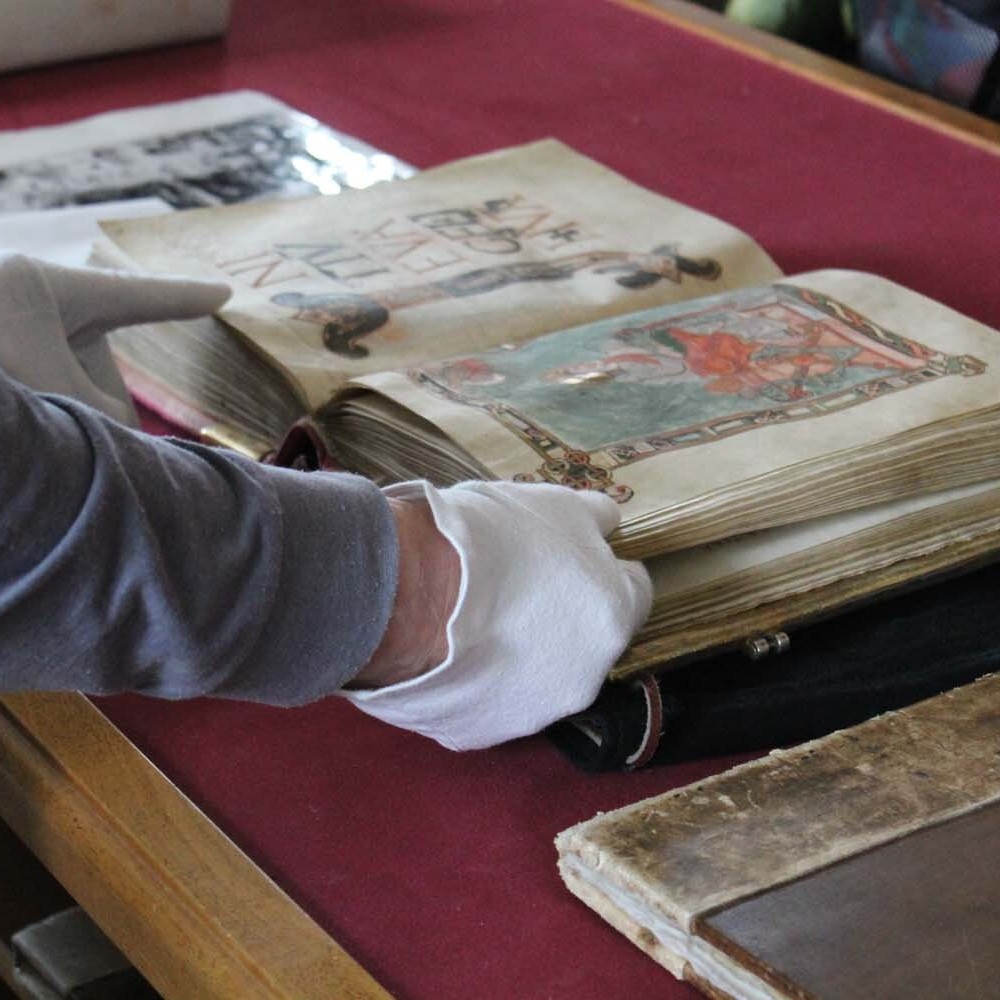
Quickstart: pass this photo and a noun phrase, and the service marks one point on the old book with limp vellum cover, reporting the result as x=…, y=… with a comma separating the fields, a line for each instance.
x=780, y=446
x=855, y=866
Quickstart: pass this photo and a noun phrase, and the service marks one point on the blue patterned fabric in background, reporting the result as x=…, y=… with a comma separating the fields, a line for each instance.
x=948, y=48
x=945, y=49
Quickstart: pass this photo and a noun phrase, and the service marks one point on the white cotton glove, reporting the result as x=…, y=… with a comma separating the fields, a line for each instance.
x=544, y=610
x=53, y=322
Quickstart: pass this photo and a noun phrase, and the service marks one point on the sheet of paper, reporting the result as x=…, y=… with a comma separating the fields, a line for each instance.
x=239, y=146
x=66, y=235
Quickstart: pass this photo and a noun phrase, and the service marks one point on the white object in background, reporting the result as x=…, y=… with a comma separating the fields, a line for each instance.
x=32, y=33
x=66, y=235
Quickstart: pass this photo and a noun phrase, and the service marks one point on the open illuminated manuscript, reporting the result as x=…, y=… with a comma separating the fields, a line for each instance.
x=780, y=446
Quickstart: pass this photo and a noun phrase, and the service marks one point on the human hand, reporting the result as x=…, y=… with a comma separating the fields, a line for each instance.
x=543, y=610
x=430, y=574
x=53, y=322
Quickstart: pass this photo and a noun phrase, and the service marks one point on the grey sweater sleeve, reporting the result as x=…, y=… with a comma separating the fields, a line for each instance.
x=129, y=562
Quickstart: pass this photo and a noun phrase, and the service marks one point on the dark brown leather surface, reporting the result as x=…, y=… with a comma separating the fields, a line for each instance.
x=919, y=917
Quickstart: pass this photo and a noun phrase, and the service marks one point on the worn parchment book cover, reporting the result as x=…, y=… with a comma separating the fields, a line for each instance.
x=918, y=917
x=705, y=878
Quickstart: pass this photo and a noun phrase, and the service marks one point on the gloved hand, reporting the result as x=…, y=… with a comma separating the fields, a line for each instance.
x=544, y=609
x=53, y=322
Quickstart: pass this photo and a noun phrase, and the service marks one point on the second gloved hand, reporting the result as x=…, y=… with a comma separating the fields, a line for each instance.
x=54, y=321
x=544, y=610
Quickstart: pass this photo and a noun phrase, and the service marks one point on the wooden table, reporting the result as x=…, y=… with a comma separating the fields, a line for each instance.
x=823, y=164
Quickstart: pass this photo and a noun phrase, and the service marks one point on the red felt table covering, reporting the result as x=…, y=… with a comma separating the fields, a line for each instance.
x=437, y=870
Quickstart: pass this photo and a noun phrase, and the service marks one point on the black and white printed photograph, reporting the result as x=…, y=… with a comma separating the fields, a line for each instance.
x=270, y=155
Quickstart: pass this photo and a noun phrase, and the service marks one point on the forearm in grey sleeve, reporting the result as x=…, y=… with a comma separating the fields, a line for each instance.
x=134, y=563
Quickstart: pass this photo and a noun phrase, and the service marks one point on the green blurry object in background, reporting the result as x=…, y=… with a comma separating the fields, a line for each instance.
x=819, y=24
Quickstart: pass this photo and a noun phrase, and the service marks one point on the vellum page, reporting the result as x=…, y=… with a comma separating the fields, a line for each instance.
x=738, y=412
x=484, y=251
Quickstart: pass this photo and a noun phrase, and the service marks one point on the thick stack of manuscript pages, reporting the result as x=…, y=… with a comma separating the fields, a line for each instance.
x=780, y=446
x=860, y=865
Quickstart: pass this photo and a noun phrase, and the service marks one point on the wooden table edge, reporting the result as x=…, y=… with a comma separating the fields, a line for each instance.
x=193, y=913
x=912, y=105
